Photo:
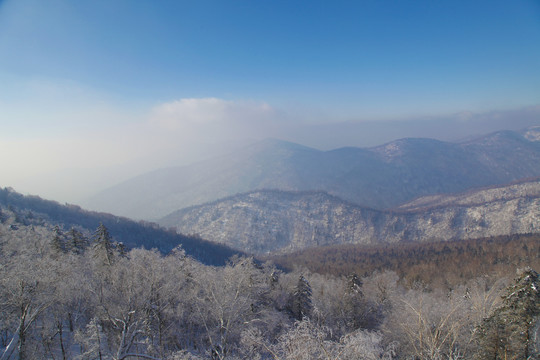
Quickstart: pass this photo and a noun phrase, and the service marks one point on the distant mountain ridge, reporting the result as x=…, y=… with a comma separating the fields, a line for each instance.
x=381, y=177
x=519, y=189
x=277, y=221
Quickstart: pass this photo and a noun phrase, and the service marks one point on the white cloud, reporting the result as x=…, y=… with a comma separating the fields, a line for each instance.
x=186, y=112
x=213, y=120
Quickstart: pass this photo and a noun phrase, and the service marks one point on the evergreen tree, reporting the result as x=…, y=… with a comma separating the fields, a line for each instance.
x=358, y=312
x=121, y=249
x=77, y=242
x=103, y=246
x=354, y=285
x=510, y=332
x=57, y=243
x=301, y=305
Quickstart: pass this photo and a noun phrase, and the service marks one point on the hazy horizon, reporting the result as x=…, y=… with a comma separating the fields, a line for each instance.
x=93, y=93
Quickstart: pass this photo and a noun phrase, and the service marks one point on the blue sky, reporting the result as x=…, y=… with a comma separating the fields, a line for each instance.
x=123, y=84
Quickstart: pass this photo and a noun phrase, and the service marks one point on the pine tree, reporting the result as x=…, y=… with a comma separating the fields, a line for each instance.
x=509, y=333
x=57, y=243
x=103, y=246
x=301, y=305
x=77, y=242
x=354, y=285
x=121, y=249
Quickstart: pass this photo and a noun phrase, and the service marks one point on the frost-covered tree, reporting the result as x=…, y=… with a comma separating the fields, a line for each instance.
x=57, y=242
x=484, y=295
x=77, y=243
x=382, y=288
x=120, y=248
x=359, y=311
x=92, y=341
x=28, y=278
x=229, y=300
x=430, y=325
x=511, y=331
x=103, y=245
x=354, y=285
x=339, y=304
x=301, y=305
x=308, y=341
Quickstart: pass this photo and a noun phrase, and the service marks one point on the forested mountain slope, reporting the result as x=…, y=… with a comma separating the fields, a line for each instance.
x=381, y=177
x=32, y=210
x=269, y=221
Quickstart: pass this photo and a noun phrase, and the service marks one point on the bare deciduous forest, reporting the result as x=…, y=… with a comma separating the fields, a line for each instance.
x=444, y=264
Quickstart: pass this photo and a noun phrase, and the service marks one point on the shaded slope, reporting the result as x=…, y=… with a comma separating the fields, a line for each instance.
x=133, y=234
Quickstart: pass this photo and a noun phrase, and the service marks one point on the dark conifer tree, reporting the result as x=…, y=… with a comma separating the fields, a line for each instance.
x=358, y=311
x=103, y=245
x=57, y=243
x=354, y=284
x=121, y=249
x=301, y=305
x=77, y=243
x=510, y=331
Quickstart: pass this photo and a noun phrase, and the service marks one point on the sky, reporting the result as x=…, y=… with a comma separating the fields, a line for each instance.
x=95, y=92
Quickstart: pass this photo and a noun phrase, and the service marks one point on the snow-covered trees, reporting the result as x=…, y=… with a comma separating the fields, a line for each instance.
x=228, y=300
x=301, y=305
x=77, y=243
x=89, y=302
x=57, y=243
x=305, y=340
x=340, y=304
x=103, y=245
x=512, y=330
x=28, y=277
x=431, y=326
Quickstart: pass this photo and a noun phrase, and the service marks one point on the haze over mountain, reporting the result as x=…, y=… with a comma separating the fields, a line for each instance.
x=380, y=177
x=278, y=221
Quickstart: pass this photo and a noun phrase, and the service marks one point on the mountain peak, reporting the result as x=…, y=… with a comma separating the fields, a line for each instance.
x=410, y=146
